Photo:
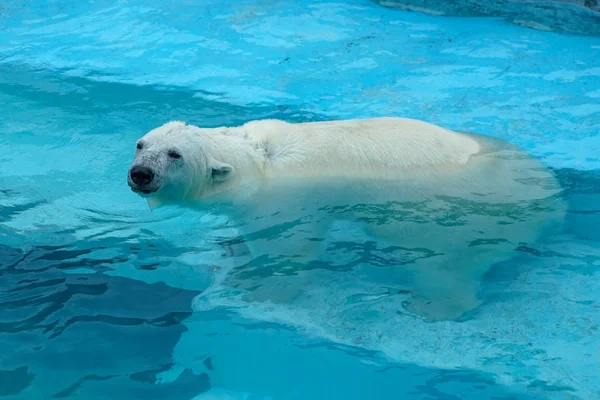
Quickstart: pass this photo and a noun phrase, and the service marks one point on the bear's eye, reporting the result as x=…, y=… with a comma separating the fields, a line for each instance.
x=139, y=146
x=174, y=154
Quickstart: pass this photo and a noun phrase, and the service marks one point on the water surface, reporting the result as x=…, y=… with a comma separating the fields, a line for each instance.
x=101, y=298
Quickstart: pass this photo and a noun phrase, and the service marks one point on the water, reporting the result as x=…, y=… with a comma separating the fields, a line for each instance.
x=101, y=298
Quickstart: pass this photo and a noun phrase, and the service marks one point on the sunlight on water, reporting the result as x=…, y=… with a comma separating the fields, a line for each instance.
x=101, y=298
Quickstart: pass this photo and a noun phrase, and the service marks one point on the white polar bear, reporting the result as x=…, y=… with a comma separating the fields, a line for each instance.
x=463, y=202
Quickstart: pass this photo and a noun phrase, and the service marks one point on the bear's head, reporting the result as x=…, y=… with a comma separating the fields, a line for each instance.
x=172, y=164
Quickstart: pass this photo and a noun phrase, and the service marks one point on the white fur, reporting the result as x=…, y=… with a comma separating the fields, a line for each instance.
x=387, y=148
x=469, y=199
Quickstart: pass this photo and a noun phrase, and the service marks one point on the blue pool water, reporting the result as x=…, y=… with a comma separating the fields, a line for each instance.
x=100, y=298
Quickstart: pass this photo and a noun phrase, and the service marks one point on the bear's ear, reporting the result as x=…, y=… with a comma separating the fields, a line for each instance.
x=221, y=171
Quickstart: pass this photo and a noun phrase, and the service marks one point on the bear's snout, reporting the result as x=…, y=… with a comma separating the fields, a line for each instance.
x=141, y=176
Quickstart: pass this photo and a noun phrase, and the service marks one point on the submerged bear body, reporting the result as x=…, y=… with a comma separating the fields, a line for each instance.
x=469, y=200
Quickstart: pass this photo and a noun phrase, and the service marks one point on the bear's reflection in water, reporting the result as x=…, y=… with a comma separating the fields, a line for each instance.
x=438, y=234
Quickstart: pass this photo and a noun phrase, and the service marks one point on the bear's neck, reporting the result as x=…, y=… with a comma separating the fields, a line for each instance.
x=234, y=147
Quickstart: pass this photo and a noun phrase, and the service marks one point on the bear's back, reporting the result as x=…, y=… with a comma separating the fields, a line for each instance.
x=374, y=148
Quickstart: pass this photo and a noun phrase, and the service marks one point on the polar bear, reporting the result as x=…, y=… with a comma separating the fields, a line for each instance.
x=463, y=201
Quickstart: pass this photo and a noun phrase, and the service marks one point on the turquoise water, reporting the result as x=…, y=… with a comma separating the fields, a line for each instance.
x=101, y=298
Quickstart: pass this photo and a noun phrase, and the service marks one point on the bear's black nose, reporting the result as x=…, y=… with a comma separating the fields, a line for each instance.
x=141, y=175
